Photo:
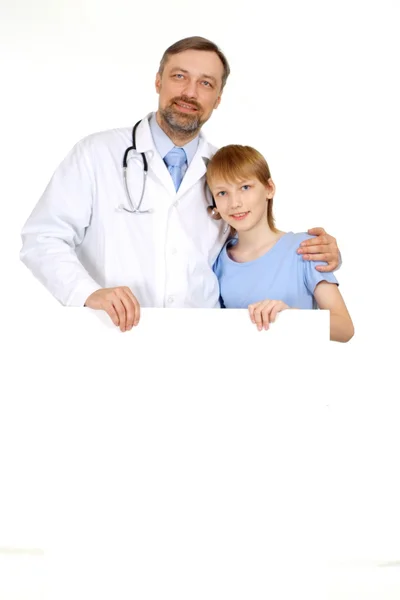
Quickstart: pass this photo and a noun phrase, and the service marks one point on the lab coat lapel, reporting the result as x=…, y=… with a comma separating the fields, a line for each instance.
x=159, y=168
x=145, y=143
x=195, y=171
x=198, y=166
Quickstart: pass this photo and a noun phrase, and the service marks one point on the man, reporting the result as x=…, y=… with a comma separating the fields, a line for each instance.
x=116, y=241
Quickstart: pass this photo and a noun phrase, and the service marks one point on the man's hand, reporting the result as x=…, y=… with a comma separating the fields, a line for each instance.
x=323, y=247
x=263, y=313
x=119, y=303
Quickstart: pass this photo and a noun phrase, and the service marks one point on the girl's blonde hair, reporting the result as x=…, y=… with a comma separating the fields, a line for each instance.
x=238, y=163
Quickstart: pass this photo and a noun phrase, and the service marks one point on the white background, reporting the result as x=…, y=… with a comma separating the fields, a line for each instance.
x=314, y=86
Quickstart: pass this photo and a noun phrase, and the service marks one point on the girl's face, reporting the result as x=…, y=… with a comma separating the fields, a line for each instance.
x=243, y=204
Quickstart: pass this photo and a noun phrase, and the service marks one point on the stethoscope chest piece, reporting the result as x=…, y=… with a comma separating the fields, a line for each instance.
x=214, y=214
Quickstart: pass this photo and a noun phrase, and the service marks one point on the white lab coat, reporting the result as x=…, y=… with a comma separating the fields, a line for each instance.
x=77, y=241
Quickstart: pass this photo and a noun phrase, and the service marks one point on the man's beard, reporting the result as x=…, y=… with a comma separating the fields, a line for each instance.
x=182, y=123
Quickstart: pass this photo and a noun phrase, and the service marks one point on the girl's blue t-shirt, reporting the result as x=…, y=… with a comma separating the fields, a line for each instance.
x=280, y=274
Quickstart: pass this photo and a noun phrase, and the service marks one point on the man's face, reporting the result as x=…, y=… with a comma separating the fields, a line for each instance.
x=190, y=89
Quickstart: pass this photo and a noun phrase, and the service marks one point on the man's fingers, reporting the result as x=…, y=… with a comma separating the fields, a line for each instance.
x=121, y=312
x=324, y=257
x=129, y=311
x=110, y=310
x=316, y=244
x=327, y=268
x=316, y=231
x=128, y=301
x=331, y=259
x=136, y=306
x=119, y=303
x=314, y=249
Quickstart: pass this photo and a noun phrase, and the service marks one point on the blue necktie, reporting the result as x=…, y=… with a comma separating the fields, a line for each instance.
x=175, y=159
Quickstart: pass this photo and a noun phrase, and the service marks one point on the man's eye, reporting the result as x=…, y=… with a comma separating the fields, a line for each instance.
x=178, y=75
x=207, y=83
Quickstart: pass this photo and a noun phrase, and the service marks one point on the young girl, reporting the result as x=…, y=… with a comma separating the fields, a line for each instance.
x=259, y=268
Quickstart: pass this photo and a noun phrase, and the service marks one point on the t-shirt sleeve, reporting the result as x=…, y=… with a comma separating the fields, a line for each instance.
x=312, y=277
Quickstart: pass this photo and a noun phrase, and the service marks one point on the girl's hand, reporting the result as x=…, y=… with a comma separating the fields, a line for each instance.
x=263, y=313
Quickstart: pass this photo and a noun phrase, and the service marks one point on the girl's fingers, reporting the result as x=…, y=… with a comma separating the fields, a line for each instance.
x=263, y=313
x=278, y=307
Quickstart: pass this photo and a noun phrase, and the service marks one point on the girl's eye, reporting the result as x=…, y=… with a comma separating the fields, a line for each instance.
x=221, y=194
x=245, y=187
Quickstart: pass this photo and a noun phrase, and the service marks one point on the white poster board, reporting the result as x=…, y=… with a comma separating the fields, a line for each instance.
x=192, y=456
x=163, y=459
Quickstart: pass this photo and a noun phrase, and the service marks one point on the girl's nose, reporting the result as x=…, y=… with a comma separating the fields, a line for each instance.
x=236, y=201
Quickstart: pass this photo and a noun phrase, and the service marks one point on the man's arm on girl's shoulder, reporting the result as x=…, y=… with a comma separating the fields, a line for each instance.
x=329, y=298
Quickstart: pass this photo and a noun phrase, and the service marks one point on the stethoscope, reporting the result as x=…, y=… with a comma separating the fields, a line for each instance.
x=135, y=209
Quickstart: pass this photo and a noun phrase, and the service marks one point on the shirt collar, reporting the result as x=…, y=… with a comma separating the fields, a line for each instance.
x=164, y=144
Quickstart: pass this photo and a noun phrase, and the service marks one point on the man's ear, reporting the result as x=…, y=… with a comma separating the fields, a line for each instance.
x=218, y=101
x=270, y=188
x=158, y=83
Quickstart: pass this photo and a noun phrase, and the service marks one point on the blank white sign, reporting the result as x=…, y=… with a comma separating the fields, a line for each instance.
x=165, y=461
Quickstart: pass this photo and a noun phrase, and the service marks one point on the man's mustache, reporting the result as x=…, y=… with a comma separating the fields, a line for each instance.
x=187, y=100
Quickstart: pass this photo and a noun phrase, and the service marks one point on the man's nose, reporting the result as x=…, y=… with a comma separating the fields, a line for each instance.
x=190, y=89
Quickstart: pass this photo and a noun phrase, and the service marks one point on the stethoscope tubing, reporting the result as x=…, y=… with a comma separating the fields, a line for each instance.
x=136, y=209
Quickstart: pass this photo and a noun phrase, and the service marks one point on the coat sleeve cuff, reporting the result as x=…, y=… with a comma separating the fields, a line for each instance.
x=81, y=293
